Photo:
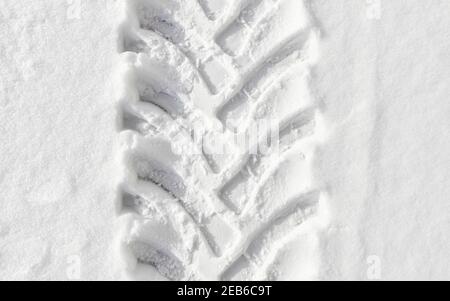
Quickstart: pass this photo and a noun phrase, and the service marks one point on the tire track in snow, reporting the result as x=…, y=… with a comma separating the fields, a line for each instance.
x=194, y=63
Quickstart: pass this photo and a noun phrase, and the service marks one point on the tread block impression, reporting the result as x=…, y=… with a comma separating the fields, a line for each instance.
x=234, y=38
x=249, y=179
x=154, y=163
x=263, y=247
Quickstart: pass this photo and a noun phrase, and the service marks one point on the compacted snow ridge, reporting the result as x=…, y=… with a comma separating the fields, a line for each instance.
x=214, y=69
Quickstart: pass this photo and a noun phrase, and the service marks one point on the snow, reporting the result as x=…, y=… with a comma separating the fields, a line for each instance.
x=384, y=85
x=381, y=150
x=58, y=167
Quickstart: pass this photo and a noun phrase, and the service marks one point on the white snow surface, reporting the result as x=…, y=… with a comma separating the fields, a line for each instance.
x=382, y=85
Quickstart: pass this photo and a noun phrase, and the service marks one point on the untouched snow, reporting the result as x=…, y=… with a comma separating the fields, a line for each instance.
x=382, y=84
x=385, y=87
x=58, y=171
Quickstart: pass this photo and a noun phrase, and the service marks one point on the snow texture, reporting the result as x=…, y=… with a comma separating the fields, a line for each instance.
x=347, y=176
